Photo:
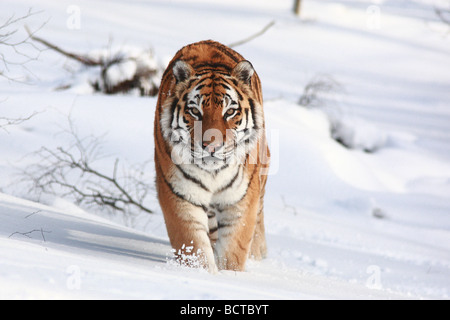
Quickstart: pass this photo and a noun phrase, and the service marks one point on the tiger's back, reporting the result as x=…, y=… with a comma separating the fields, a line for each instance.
x=211, y=156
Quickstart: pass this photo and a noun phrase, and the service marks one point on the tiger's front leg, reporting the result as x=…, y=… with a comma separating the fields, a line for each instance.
x=258, y=248
x=187, y=227
x=191, y=243
x=236, y=225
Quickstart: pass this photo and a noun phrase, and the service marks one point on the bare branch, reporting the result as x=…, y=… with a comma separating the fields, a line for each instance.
x=6, y=122
x=78, y=57
x=6, y=41
x=69, y=172
x=259, y=33
x=27, y=234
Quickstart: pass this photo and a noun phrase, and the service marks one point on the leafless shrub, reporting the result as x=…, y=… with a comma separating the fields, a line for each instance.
x=317, y=89
x=5, y=122
x=71, y=173
x=321, y=92
x=12, y=45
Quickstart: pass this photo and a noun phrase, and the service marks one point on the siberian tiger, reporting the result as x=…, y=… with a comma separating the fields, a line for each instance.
x=211, y=156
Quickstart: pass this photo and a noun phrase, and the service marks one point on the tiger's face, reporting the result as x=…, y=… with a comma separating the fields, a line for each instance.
x=212, y=119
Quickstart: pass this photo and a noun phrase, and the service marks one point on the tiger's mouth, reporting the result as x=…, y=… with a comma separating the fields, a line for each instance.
x=213, y=160
x=232, y=152
x=189, y=150
x=208, y=159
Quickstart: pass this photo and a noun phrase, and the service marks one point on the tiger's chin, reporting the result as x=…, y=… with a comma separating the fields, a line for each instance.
x=210, y=163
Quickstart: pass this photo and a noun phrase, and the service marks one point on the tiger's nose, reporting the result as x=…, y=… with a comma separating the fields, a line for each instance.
x=211, y=147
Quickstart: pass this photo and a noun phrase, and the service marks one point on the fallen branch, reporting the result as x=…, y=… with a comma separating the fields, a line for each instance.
x=27, y=234
x=259, y=33
x=80, y=58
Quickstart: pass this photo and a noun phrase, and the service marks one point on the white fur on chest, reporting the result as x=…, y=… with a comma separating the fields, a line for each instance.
x=227, y=186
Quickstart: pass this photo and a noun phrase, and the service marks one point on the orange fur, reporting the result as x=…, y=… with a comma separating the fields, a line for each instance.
x=210, y=108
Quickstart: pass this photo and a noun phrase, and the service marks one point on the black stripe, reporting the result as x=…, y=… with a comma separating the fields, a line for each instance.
x=201, y=80
x=221, y=225
x=229, y=52
x=225, y=86
x=213, y=66
x=199, y=226
x=215, y=172
x=212, y=73
x=246, y=118
x=252, y=107
x=172, y=109
x=211, y=214
x=222, y=207
x=261, y=208
x=248, y=185
x=192, y=81
x=241, y=246
x=182, y=197
x=178, y=109
x=231, y=181
x=212, y=230
x=239, y=95
x=191, y=178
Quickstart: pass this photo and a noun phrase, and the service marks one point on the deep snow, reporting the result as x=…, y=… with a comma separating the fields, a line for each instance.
x=340, y=223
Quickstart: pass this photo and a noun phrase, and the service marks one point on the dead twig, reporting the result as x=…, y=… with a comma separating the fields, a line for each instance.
x=27, y=234
x=69, y=172
x=6, y=122
x=257, y=34
x=78, y=57
x=11, y=45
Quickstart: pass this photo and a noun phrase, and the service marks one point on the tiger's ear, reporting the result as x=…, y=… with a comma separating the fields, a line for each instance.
x=243, y=71
x=181, y=71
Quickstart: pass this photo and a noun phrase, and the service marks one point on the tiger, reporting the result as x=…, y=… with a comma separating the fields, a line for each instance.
x=212, y=157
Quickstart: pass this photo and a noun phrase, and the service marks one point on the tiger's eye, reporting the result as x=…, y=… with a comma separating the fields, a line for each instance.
x=194, y=111
x=230, y=112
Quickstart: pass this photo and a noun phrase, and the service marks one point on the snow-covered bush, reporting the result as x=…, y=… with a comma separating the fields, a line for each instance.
x=350, y=131
x=123, y=69
x=355, y=133
x=112, y=70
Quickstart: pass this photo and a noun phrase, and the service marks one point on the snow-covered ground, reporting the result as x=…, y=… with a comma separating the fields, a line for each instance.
x=340, y=223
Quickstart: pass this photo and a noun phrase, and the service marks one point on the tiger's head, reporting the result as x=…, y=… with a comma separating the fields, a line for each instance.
x=212, y=117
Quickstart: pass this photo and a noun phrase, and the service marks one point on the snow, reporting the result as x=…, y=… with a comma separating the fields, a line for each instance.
x=341, y=223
